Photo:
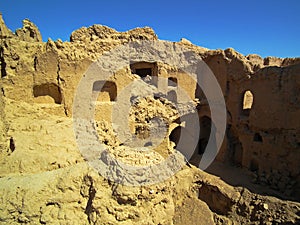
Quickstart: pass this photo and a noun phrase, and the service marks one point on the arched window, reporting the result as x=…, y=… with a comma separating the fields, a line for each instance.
x=48, y=89
x=247, y=102
x=107, y=89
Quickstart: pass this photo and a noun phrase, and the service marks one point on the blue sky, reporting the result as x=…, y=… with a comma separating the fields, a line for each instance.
x=267, y=28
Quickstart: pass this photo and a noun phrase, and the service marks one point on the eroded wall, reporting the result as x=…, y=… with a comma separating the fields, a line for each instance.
x=265, y=138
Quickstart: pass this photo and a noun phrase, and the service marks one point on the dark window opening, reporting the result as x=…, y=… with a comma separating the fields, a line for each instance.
x=207, y=133
x=257, y=137
x=205, y=129
x=144, y=72
x=172, y=82
x=107, y=89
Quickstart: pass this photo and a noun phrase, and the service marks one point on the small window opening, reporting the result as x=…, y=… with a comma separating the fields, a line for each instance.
x=144, y=72
x=257, y=137
x=107, y=89
x=247, y=102
x=205, y=129
x=48, y=89
x=172, y=82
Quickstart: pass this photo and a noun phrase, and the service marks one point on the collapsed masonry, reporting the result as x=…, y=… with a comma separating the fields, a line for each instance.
x=263, y=125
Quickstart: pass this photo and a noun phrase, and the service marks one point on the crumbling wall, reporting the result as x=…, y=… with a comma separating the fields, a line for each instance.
x=270, y=133
x=262, y=136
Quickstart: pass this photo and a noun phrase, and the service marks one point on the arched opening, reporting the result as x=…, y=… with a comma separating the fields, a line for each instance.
x=189, y=140
x=107, y=89
x=48, y=89
x=146, y=70
x=172, y=82
x=172, y=96
x=175, y=135
x=205, y=129
x=183, y=140
x=235, y=147
x=247, y=102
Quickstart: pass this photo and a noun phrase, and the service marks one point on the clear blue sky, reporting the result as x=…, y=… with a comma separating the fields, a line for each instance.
x=268, y=28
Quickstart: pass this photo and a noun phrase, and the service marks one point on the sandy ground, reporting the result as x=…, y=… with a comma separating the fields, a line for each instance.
x=239, y=177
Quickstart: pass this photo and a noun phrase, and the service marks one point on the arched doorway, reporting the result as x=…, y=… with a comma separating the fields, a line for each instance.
x=235, y=147
x=206, y=129
x=185, y=136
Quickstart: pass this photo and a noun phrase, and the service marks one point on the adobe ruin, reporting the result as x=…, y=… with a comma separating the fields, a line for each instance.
x=261, y=94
